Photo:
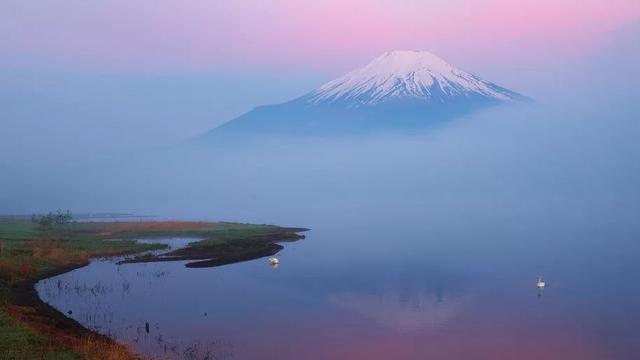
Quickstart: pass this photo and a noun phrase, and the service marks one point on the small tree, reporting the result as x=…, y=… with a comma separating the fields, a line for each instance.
x=46, y=222
x=67, y=216
x=59, y=217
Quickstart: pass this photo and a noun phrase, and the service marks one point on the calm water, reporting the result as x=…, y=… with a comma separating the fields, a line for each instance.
x=411, y=290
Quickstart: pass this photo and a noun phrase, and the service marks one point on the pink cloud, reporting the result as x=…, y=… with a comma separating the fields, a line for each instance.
x=324, y=34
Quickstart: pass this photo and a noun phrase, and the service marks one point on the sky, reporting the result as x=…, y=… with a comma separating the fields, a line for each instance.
x=82, y=81
x=325, y=35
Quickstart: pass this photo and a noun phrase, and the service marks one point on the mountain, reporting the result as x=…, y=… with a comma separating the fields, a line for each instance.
x=399, y=90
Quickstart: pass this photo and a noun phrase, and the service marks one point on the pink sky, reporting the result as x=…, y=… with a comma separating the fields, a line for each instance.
x=170, y=35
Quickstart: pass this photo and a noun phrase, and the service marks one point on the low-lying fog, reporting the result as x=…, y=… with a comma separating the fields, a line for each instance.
x=541, y=161
x=573, y=155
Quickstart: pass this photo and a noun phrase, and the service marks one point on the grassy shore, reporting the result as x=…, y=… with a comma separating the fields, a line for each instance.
x=31, y=329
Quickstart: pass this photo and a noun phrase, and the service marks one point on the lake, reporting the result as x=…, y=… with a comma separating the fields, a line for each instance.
x=401, y=289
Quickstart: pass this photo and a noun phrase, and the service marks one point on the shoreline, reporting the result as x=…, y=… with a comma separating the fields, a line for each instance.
x=26, y=295
x=28, y=309
x=222, y=243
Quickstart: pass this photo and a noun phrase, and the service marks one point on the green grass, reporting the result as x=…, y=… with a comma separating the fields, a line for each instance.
x=26, y=251
x=17, y=229
x=19, y=342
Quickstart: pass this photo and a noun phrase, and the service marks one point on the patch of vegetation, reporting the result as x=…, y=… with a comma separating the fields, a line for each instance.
x=27, y=250
x=46, y=222
x=17, y=341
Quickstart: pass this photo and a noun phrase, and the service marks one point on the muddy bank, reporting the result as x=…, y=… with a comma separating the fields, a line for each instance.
x=212, y=252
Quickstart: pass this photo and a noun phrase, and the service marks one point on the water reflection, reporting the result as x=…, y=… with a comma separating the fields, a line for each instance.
x=416, y=312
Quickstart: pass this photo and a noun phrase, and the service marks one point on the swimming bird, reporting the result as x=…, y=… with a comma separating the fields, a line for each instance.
x=274, y=261
x=540, y=284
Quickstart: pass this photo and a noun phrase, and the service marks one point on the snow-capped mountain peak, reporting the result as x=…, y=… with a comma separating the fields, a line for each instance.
x=406, y=75
x=399, y=90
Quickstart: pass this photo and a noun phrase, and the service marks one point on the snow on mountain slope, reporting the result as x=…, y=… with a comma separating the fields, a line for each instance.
x=415, y=75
